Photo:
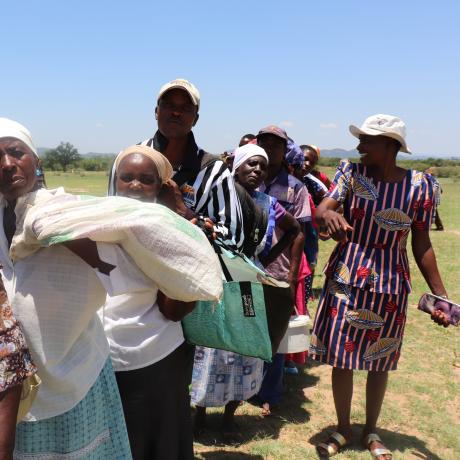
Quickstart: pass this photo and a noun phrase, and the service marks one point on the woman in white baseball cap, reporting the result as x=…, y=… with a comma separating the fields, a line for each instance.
x=361, y=315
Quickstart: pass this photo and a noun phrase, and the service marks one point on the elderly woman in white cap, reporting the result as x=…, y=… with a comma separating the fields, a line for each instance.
x=361, y=316
x=55, y=296
x=152, y=361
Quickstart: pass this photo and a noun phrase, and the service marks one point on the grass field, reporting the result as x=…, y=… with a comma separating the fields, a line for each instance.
x=421, y=413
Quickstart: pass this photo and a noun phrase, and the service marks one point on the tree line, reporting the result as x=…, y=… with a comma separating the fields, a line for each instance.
x=65, y=156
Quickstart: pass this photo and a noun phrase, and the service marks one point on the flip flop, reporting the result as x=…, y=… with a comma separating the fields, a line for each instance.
x=378, y=451
x=332, y=447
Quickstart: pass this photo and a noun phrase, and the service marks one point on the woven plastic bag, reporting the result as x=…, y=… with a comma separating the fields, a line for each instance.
x=238, y=322
x=171, y=251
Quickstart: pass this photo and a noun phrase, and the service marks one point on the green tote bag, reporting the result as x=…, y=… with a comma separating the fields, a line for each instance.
x=238, y=322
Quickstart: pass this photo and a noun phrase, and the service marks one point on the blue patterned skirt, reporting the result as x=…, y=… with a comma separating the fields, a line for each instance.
x=358, y=329
x=93, y=430
x=222, y=376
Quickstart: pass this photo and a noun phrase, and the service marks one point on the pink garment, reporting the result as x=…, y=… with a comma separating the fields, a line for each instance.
x=304, y=271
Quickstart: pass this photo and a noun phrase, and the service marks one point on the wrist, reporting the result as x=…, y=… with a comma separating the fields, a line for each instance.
x=442, y=295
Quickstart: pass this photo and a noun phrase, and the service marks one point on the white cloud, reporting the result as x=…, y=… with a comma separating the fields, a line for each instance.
x=99, y=125
x=287, y=124
x=328, y=125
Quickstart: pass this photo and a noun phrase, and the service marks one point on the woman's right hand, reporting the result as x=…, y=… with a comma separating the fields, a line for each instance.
x=336, y=225
x=171, y=197
x=440, y=318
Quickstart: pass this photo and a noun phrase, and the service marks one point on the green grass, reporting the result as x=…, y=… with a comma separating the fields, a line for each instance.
x=79, y=182
x=420, y=418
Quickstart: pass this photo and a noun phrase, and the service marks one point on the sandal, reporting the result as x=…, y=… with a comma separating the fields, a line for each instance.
x=378, y=451
x=334, y=444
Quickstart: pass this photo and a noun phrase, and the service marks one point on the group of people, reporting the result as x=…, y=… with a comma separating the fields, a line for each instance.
x=97, y=318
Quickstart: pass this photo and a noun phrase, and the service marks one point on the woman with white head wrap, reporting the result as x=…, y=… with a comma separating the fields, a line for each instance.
x=240, y=377
x=58, y=316
x=13, y=129
x=244, y=153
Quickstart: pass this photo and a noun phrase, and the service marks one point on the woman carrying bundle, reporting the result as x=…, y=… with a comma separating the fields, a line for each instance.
x=152, y=361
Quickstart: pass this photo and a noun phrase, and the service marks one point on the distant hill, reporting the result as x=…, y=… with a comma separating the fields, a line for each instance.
x=339, y=153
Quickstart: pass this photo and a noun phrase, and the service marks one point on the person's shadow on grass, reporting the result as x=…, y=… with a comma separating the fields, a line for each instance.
x=396, y=442
x=289, y=411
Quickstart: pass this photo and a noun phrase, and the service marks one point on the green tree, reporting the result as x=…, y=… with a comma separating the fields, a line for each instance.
x=64, y=155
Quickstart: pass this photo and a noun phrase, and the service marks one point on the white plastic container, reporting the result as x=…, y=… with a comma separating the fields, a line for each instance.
x=297, y=337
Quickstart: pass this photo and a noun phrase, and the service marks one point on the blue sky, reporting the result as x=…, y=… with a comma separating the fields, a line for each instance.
x=89, y=72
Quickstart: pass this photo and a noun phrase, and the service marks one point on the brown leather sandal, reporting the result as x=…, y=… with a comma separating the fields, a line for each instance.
x=334, y=444
x=378, y=451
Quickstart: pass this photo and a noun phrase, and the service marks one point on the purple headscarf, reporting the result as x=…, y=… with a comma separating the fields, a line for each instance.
x=294, y=154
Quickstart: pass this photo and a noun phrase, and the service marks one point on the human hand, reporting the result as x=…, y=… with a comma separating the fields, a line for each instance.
x=440, y=318
x=336, y=225
x=171, y=196
x=206, y=224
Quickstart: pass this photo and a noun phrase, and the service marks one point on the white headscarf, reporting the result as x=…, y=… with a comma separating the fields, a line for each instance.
x=242, y=154
x=10, y=128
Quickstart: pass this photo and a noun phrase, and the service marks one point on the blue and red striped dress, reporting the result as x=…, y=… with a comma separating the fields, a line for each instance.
x=361, y=314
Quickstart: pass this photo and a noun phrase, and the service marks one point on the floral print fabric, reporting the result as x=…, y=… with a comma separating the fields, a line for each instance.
x=15, y=361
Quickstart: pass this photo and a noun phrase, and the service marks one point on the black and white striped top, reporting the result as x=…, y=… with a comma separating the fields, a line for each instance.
x=209, y=191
